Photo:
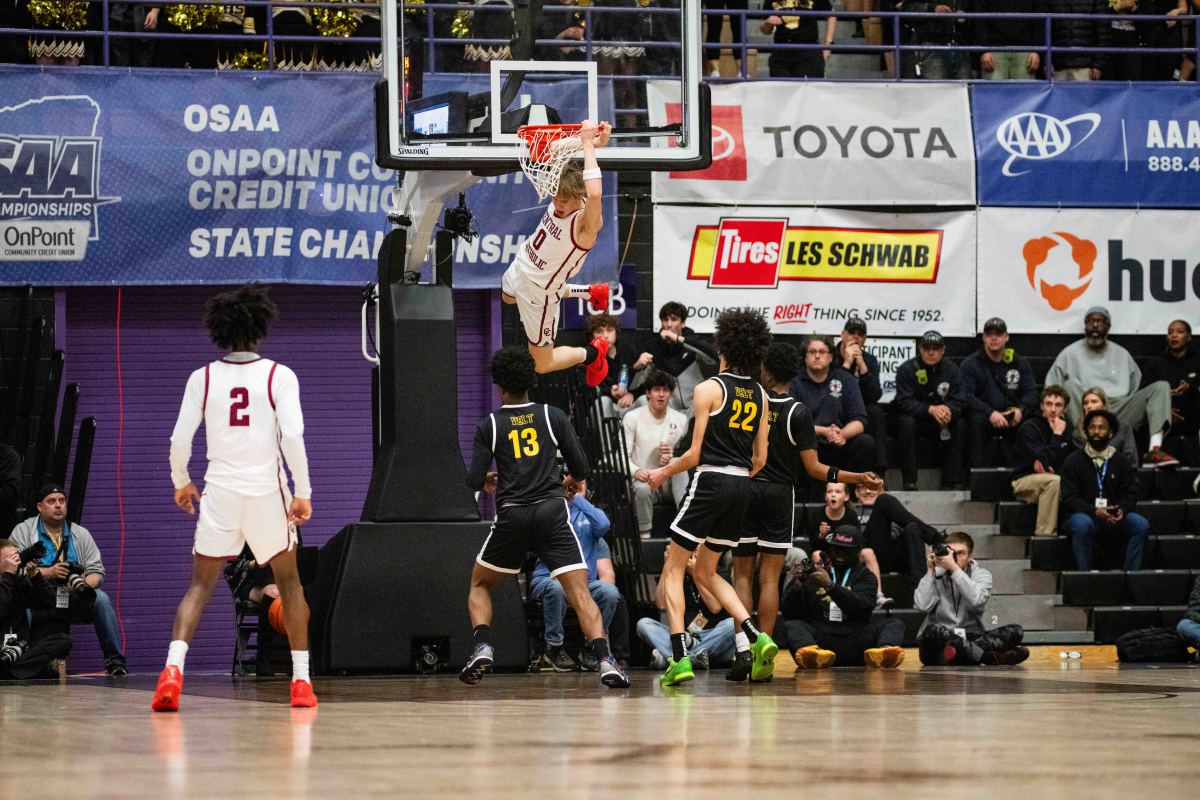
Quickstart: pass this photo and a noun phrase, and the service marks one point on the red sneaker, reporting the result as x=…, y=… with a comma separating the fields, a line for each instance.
x=598, y=295
x=302, y=695
x=170, y=686
x=597, y=370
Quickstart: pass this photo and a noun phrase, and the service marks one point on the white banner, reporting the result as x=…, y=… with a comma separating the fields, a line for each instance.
x=794, y=144
x=1041, y=269
x=891, y=354
x=809, y=269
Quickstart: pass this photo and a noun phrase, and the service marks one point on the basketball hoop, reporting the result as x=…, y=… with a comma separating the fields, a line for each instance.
x=545, y=150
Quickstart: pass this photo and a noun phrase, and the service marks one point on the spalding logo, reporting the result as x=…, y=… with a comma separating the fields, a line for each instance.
x=1039, y=137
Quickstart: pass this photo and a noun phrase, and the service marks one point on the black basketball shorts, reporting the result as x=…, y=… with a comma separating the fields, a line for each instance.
x=543, y=529
x=769, y=520
x=712, y=511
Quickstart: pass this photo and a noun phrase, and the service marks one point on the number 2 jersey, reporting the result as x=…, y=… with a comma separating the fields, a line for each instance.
x=524, y=440
x=250, y=407
x=729, y=437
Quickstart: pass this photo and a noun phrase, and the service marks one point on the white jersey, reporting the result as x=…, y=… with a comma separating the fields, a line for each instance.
x=549, y=256
x=251, y=412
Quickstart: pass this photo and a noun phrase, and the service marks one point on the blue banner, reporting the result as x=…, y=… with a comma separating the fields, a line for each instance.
x=158, y=177
x=1087, y=144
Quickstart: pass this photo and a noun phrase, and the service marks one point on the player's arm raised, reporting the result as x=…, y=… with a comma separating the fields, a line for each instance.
x=708, y=396
x=589, y=223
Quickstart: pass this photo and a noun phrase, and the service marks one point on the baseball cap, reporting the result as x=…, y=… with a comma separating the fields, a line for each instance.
x=855, y=325
x=49, y=489
x=995, y=324
x=931, y=339
x=1098, y=310
x=846, y=535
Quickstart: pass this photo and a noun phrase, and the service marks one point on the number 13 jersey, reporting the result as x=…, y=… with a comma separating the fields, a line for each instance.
x=729, y=437
x=524, y=441
x=250, y=407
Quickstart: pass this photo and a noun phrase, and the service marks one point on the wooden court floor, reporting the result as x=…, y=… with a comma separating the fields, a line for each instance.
x=1044, y=730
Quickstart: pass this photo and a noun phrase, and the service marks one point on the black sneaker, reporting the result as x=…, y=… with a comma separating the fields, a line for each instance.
x=480, y=662
x=559, y=660
x=742, y=664
x=117, y=669
x=612, y=675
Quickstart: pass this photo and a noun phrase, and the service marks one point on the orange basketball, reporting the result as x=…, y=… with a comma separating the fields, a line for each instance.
x=275, y=616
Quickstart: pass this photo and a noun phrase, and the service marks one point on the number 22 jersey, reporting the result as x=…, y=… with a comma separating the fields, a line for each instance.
x=729, y=437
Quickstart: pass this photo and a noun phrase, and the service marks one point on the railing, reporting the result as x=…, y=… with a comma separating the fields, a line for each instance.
x=430, y=22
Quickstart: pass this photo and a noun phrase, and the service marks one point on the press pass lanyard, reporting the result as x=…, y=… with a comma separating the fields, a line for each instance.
x=1100, y=475
x=845, y=576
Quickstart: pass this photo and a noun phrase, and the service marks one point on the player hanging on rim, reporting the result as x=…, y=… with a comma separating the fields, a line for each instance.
x=729, y=446
x=770, y=512
x=250, y=407
x=536, y=281
x=531, y=512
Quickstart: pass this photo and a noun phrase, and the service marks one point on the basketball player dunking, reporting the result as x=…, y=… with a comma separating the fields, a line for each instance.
x=531, y=512
x=536, y=281
x=250, y=407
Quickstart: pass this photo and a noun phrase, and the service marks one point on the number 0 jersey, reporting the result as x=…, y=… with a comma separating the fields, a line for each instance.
x=524, y=441
x=549, y=256
x=729, y=437
x=250, y=407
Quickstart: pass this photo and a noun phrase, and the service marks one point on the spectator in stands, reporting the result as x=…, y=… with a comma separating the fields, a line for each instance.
x=709, y=626
x=895, y=536
x=1094, y=399
x=491, y=19
x=1000, y=393
x=590, y=525
x=615, y=392
x=651, y=434
x=1158, y=35
x=1099, y=495
x=798, y=30
x=678, y=351
x=712, y=33
x=954, y=594
x=854, y=359
x=1079, y=32
x=1001, y=65
x=612, y=34
x=933, y=64
x=69, y=546
x=1123, y=32
x=129, y=18
x=1094, y=361
x=837, y=511
x=19, y=658
x=827, y=611
x=930, y=400
x=1179, y=367
x=564, y=23
x=832, y=396
x=1189, y=626
x=10, y=487
x=1043, y=443
x=13, y=48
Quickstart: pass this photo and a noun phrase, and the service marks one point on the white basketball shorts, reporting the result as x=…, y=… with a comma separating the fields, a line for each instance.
x=539, y=311
x=229, y=521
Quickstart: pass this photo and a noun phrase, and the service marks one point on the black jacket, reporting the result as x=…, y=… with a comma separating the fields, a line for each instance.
x=1080, y=33
x=1193, y=609
x=917, y=387
x=673, y=357
x=1079, y=489
x=1036, y=442
x=868, y=383
x=856, y=600
x=1166, y=367
x=836, y=401
x=10, y=487
x=989, y=386
x=1015, y=32
x=17, y=594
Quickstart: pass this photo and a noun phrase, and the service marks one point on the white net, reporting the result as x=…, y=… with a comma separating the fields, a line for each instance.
x=545, y=151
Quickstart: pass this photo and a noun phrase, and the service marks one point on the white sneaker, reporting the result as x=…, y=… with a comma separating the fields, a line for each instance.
x=657, y=661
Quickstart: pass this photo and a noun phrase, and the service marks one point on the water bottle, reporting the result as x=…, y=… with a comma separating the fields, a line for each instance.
x=623, y=381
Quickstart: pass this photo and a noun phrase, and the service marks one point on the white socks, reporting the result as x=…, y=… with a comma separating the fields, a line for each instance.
x=742, y=641
x=1156, y=440
x=300, y=666
x=176, y=653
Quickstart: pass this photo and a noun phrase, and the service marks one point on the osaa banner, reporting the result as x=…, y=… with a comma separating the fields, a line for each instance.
x=857, y=144
x=809, y=269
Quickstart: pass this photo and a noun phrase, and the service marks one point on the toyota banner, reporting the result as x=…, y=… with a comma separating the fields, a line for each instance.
x=861, y=144
x=1087, y=144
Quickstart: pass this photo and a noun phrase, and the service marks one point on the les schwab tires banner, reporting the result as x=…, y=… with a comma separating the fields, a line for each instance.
x=810, y=269
x=1041, y=270
x=795, y=144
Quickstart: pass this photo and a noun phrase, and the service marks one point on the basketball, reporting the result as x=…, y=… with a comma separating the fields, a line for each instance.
x=275, y=616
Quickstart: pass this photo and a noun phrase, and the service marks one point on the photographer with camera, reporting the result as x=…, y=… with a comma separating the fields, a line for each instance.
x=827, y=610
x=72, y=566
x=953, y=594
x=20, y=588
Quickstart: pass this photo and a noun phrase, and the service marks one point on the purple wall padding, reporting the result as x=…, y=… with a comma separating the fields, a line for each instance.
x=162, y=341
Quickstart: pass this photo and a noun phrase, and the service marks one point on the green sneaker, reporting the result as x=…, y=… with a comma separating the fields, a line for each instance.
x=764, y=650
x=677, y=672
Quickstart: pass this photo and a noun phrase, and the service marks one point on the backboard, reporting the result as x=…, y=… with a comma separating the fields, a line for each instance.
x=460, y=78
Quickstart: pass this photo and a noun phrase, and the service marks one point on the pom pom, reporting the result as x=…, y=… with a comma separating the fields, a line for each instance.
x=335, y=22
x=70, y=15
x=194, y=17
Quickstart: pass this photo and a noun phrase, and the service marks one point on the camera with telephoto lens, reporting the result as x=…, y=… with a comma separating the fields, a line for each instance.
x=940, y=548
x=11, y=651
x=808, y=566
x=78, y=586
x=35, y=552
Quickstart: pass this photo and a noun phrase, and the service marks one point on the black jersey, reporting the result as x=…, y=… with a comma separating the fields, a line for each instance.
x=729, y=437
x=791, y=431
x=523, y=440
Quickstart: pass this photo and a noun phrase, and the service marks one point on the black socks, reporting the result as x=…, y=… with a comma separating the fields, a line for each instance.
x=590, y=353
x=600, y=649
x=677, y=648
x=481, y=634
x=749, y=629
